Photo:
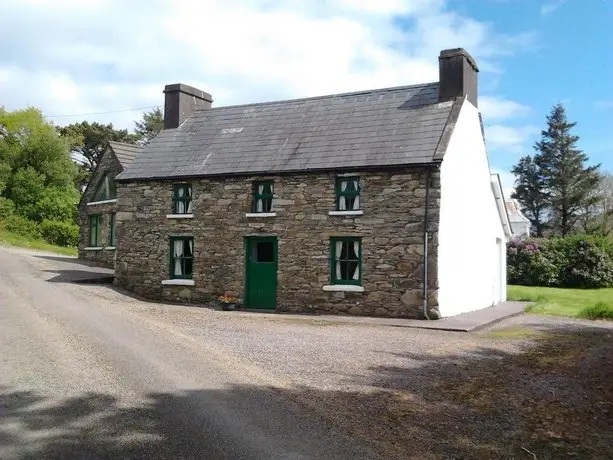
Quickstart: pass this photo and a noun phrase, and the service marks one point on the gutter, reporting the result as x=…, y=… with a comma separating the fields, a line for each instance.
x=427, y=202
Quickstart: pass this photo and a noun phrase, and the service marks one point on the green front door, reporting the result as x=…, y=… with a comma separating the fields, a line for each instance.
x=261, y=272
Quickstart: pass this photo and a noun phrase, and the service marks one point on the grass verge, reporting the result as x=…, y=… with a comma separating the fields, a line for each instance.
x=12, y=239
x=576, y=303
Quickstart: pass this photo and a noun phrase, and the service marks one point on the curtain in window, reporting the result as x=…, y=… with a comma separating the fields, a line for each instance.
x=260, y=203
x=178, y=255
x=342, y=203
x=356, y=250
x=189, y=203
x=180, y=203
x=337, y=255
x=356, y=200
x=191, y=247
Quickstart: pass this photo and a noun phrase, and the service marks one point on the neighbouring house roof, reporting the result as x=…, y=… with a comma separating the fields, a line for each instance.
x=515, y=214
x=125, y=153
x=383, y=127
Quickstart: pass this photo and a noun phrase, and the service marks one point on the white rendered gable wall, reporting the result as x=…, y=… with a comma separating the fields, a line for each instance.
x=471, y=251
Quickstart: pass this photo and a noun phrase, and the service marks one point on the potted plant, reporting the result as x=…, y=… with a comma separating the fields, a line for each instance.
x=228, y=301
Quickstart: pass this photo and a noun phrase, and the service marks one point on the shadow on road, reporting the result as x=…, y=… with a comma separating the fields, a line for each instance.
x=552, y=397
x=80, y=277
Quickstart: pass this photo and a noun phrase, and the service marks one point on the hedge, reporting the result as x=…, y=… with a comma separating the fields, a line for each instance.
x=60, y=233
x=578, y=261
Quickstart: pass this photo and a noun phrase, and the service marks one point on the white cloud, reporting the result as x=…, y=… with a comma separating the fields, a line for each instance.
x=511, y=139
x=107, y=55
x=498, y=108
x=550, y=7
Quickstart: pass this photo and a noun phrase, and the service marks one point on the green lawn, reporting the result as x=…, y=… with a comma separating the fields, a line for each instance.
x=12, y=239
x=578, y=303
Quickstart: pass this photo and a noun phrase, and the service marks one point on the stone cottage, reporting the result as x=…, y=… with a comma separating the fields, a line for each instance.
x=349, y=203
x=97, y=208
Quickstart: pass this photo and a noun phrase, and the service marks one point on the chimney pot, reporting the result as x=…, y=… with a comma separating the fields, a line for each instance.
x=180, y=101
x=457, y=75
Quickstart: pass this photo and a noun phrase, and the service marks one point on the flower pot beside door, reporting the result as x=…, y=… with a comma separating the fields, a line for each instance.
x=228, y=302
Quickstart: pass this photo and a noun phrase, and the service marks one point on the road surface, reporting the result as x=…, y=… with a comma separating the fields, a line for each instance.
x=82, y=377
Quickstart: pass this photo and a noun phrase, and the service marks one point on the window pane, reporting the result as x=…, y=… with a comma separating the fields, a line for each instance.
x=265, y=251
x=187, y=249
x=188, y=264
x=266, y=204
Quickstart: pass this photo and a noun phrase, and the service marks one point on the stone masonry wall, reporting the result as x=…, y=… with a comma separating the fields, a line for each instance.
x=391, y=229
x=103, y=256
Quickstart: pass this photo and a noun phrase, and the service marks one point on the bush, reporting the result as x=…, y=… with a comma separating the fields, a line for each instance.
x=7, y=208
x=22, y=226
x=572, y=262
x=599, y=310
x=60, y=233
x=584, y=262
x=529, y=265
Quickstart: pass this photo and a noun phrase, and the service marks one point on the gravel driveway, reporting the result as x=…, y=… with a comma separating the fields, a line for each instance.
x=347, y=390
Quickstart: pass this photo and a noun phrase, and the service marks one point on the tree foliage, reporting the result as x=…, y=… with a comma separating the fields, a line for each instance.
x=150, y=125
x=36, y=172
x=88, y=142
x=555, y=185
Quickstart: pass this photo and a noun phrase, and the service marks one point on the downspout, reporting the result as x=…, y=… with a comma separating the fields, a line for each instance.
x=428, y=173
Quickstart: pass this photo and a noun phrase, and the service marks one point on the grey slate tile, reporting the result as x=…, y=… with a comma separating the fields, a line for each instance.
x=392, y=126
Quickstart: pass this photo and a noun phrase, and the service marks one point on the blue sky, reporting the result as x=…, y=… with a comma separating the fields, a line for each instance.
x=108, y=60
x=569, y=60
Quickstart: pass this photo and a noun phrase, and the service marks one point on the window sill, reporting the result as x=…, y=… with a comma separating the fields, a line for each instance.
x=261, y=214
x=110, y=248
x=178, y=282
x=93, y=248
x=343, y=288
x=346, y=213
x=179, y=216
x=92, y=203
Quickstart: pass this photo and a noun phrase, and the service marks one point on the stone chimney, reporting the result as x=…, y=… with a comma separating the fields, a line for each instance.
x=180, y=101
x=457, y=75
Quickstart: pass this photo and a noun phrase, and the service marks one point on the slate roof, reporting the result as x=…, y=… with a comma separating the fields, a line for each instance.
x=515, y=214
x=125, y=153
x=384, y=127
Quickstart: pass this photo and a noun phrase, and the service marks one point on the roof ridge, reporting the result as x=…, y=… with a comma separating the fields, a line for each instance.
x=313, y=98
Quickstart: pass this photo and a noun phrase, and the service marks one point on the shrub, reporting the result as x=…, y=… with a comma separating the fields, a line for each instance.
x=7, y=208
x=583, y=261
x=60, y=233
x=599, y=310
x=528, y=264
x=22, y=226
x=573, y=261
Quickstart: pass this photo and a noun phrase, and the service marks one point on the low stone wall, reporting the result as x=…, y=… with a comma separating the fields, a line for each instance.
x=391, y=229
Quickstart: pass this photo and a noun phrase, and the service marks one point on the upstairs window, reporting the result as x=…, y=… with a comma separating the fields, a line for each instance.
x=346, y=260
x=95, y=230
x=182, y=199
x=262, y=196
x=106, y=189
x=347, y=193
x=181, y=257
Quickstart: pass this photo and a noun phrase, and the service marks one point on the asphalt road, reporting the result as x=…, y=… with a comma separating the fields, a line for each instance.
x=82, y=378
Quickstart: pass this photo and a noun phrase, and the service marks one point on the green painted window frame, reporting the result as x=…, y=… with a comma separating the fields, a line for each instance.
x=95, y=230
x=334, y=279
x=185, y=199
x=106, y=190
x=112, y=230
x=172, y=258
x=265, y=197
x=347, y=193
